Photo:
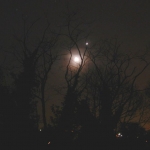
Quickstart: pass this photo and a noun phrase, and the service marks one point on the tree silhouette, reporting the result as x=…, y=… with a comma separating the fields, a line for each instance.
x=36, y=53
x=66, y=120
x=132, y=130
x=6, y=112
x=109, y=88
x=115, y=96
x=45, y=63
x=26, y=82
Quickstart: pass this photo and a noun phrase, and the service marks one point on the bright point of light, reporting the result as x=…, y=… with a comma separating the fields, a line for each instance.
x=76, y=59
x=119, y=135
x=40, y=129
x=86, y=43
x=49, y=143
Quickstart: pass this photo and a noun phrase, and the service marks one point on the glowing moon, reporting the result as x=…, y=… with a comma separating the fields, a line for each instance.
x=76, y=59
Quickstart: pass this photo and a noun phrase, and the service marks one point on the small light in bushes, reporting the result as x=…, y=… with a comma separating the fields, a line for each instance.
x=49, y=143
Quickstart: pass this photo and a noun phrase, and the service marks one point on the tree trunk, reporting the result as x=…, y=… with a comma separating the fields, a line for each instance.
x=43, y=109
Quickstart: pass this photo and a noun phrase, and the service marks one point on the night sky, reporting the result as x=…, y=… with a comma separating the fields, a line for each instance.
x=126, y=20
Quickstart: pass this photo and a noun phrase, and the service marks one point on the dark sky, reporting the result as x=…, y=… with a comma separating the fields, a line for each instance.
x=127, y=20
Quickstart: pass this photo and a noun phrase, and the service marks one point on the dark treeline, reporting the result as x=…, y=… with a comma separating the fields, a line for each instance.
x=103, y=105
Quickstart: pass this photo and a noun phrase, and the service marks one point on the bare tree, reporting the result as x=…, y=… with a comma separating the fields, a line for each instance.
x=46, y=61
x=77, y=47
x=26, y=81
x=143, y=111
x=115, y=95
x=34, y=51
